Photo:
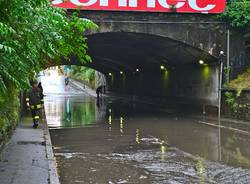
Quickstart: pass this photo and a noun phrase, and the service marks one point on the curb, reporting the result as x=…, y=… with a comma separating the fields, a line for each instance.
x=225, y=120
x=53, y=175
x=86, y=89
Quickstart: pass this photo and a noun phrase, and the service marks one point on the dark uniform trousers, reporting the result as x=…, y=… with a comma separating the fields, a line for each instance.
x=35, y=104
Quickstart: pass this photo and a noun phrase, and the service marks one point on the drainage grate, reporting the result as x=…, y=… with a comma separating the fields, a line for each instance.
x=31, y=142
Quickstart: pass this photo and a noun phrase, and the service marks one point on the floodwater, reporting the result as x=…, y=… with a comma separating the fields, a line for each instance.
x=116, y=142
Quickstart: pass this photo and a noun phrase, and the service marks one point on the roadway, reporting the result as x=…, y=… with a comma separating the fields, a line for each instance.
x=118, y=141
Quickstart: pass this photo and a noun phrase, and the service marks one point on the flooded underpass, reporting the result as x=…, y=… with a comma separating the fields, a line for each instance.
x=116, y=141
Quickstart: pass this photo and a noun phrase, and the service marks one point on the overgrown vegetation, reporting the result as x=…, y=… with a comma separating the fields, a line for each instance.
x=9, y=113
x=239, y=109
x=237, y=15
x=241, y=82
x=233, y=97
x=85, y=74
x=33, y=35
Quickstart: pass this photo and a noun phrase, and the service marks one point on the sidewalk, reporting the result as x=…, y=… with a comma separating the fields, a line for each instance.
x=83, y=87
x=28, y=158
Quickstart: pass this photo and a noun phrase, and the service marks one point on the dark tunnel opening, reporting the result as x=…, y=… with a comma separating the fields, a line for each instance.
x=144, y=65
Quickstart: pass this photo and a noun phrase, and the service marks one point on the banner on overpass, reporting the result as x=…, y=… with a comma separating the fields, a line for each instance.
x=181, y=6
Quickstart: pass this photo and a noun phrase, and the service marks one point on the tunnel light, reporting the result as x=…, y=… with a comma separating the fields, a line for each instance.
x=121, y=119
x=110, y=119
x=162, y=67
x=121, y=72
x=137, y=70
x=201, y=62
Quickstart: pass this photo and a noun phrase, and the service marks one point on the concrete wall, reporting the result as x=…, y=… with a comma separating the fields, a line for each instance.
x=239, y=54
x=193, y=85
x=188, y=85
x=197, y=85
x=201, y=31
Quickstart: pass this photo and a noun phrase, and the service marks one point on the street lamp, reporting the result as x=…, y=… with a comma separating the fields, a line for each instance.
x=162, y=67
x=110, y=74
x=220, y=82
x=201, y=62
x=121, y=72
x=221, y=55
x=137, y=70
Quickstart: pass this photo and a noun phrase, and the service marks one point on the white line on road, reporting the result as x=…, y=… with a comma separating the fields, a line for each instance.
x=228, y=128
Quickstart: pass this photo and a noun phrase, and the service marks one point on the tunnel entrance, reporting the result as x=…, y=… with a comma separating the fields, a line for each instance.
x=70, y=80
x=145, y=65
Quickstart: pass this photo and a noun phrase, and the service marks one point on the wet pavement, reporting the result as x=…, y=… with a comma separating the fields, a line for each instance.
x=56, y=86
x=116, y=141
x=24, y=159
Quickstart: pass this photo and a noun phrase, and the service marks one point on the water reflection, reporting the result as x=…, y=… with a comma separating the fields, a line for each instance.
x=72, y=111
x=110, y=121
x=210, y=142
x=235, y=149
x=121, y=125
x=177, y=150
x=201, y=169
x=137, y=136
x=219, y=139
x=163, y=152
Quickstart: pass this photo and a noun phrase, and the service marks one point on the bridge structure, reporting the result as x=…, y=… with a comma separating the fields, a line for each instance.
x=166, y=55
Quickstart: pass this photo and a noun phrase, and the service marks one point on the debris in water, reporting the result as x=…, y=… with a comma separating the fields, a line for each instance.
x=121, y=182
x=93, y=169
x=143, y=177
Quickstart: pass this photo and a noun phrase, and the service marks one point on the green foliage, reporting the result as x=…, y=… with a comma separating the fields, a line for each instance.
x=237, y=15
x=237, y=104
x=231, y=100
x=83, y=73
x=240, y=83
x=33, y=35
x=9, y=113
x=227, y=70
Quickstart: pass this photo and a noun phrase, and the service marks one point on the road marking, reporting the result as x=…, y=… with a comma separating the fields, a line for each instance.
x=229, y=128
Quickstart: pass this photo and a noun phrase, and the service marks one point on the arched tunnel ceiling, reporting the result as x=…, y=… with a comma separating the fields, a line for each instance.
x=126, y=51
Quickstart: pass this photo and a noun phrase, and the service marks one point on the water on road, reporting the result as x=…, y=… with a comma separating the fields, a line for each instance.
x=116, y=141
x=56, y=86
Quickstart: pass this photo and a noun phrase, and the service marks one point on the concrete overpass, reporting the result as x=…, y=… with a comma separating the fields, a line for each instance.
x=158, y=54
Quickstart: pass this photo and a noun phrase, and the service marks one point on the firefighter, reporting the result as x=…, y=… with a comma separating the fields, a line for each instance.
x=33, y=102
x=41, y=93
x=98, y=92
x=66, y=80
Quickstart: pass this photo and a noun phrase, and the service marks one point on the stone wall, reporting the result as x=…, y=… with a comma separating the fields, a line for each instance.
x=185, y=85
x=242, y=106
x=239, y=54
x=198, y=30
